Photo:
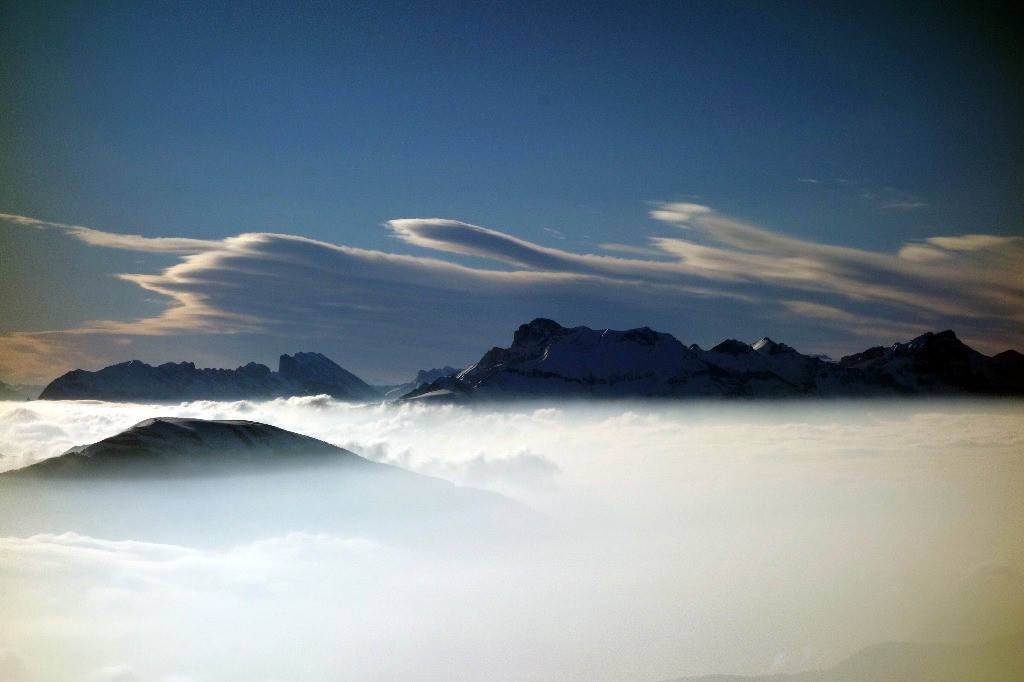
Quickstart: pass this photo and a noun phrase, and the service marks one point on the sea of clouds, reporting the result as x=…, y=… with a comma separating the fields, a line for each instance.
x=696, y=538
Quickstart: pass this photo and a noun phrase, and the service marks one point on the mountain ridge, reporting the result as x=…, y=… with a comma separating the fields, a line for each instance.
x=298, y=375
x=546, y=359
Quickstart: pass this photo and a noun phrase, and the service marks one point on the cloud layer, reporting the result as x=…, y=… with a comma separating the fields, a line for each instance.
x=719, y=278
x=698, y=539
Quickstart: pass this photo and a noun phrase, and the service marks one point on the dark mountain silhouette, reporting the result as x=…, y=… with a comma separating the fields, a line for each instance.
x=175, y=447
x=298, y=375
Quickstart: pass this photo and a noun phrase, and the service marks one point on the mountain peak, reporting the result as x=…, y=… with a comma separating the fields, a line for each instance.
x=944, y=339
x=316, y=373
x=301, y=364
x=537, y=331
x=766, y=345
x=733, y=347
x=546, y=358
x=425, y=376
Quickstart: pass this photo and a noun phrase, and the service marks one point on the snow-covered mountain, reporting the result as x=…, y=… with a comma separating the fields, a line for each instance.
x=299, y=374
x=940, y=363
x=549, y=360
x=546, y=359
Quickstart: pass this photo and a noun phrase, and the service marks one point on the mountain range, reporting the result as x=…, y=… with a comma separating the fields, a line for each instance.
x=424, y=376
x=297, y=375
x=8, y=393
x=19, y=391
x=547, y=360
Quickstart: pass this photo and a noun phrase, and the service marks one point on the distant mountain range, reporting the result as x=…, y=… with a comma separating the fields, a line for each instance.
x=19, y=391
x=547, y=360
x=8, y=393
x=297, y=375
x=424, y=376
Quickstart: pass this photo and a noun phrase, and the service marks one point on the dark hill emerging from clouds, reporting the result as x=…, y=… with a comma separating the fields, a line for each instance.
x=298, y=375
x=181, y=448
x=549, y=360
x=198, y=482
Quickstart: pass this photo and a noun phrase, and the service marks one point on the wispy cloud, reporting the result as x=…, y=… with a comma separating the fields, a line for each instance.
x=975, y=276
x=718, y=278
x=868, y=193
x=979, y=242
x=126, y=242
x=904, y=205
x=869, y=328
x=633, y=250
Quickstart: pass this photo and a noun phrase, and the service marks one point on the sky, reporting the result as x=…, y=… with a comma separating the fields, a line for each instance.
x=400, y=185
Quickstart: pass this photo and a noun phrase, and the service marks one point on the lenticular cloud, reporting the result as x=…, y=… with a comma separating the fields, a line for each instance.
x=251, y=289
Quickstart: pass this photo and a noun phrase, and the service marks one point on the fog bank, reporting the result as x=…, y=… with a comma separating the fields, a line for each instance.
x=695, y=538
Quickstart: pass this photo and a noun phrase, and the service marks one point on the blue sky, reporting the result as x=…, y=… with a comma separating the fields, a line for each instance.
x=567, y=126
